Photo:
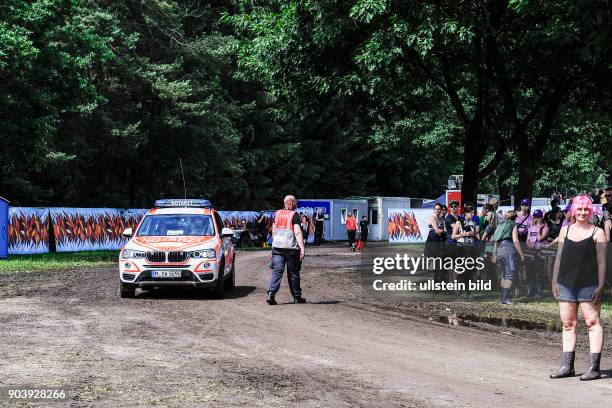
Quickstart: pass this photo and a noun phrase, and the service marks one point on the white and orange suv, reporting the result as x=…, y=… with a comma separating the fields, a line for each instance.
x=179, y=243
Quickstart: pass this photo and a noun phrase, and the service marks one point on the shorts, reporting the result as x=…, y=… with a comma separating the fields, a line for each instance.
x=508, y=266
x=576, y=295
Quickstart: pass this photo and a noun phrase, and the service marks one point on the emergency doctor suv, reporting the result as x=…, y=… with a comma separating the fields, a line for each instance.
x=179, y=243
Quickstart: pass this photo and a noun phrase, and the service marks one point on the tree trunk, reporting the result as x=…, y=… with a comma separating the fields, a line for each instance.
x=504, y=171
x=527, y=175
x=471, y=163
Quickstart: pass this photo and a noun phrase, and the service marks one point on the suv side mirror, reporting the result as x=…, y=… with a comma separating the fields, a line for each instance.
x=227, y=232
x=127, y=232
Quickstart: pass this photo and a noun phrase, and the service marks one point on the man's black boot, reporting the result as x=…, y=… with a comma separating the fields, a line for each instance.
x=299, y=299
x=270, y=299
x=593, y=372
x=567, y=365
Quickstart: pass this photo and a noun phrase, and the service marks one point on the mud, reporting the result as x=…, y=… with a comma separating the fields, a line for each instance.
x=70, y=329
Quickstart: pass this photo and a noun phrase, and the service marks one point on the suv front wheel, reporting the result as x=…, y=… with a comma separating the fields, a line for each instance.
x=127, y=291
x=218, y=291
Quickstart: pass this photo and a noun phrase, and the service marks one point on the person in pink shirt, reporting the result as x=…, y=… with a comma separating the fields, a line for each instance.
x=524, y=219
x=534, y=267
x=523, y=222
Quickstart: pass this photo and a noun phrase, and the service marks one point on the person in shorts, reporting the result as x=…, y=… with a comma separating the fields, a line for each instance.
x=506, y=249
x=578, y=281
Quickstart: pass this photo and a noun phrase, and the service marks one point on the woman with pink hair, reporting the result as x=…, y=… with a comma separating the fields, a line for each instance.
x=578, y=279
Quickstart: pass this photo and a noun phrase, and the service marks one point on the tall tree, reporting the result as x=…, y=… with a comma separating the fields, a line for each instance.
x=502, y=68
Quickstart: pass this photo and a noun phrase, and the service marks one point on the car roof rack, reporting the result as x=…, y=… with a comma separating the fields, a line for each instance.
x=180, y=202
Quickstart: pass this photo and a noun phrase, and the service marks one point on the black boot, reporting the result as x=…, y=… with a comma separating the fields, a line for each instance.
x=299, y=299
x=270, y=299
x=593, y=372
x=506, y=297
x=567, y=365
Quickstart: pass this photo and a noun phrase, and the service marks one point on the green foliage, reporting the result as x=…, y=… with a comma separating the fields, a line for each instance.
x=100, y=99
x=59, y=261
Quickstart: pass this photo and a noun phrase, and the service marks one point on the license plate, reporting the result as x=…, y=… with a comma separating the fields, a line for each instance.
x=166, y=274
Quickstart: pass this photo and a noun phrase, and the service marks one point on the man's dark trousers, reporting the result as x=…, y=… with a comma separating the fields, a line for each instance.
x=318, y=233
x=291, y=258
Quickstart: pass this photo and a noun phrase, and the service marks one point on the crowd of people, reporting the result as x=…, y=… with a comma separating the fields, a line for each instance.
x=258, y=232
x=519, y=247
x=565, y=249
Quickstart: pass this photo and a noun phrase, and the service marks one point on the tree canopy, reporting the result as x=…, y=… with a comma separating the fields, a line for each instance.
x=102, y=100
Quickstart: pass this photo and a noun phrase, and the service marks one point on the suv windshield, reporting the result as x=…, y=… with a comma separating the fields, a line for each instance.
x=176, y=225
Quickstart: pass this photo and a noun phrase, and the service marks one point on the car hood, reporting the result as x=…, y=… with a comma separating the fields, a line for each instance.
x=171, y=243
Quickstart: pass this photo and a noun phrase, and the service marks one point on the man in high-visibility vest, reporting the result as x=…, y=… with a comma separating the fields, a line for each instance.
x=287, y=249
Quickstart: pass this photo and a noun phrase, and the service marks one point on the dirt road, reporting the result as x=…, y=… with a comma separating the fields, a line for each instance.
x=71, y=330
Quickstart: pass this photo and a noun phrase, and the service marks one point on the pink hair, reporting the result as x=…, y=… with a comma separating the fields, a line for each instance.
x=582, y=201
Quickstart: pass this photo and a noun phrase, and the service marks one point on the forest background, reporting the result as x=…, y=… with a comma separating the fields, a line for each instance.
x=100, y=100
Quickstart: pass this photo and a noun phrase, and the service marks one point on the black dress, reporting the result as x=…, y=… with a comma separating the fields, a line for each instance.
x=434, y=242
x=578, y=268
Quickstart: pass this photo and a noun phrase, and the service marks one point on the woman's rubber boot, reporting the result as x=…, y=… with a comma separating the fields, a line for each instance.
x=567, y=365
x=593, y=372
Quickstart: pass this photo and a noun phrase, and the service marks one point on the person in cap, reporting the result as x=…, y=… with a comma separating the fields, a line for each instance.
x=534, y=267
x=524, y=219
x=287, y=249
x=451, y=219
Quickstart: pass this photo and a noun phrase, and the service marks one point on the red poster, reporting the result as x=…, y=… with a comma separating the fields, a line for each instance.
x=453, y=195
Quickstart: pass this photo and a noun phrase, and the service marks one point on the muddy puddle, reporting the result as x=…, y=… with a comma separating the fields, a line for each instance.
x=474, y=320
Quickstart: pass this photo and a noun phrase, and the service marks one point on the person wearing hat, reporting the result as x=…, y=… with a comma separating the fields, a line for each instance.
x=554, y=224
x=568, y=216
x=451, y=219
x=534, y=267
x=524, y=219
x=494, y=202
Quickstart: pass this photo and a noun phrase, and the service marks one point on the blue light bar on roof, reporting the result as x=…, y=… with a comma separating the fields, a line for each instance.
x=180, y=202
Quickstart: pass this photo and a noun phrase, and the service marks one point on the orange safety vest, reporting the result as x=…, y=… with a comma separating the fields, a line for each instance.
x=282, y=230
x=351, y=224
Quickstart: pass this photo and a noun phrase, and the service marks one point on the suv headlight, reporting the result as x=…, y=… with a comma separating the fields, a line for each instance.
x=133, y=254
x=203, y=253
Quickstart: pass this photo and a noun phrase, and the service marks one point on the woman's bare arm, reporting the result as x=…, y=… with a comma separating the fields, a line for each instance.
x=456, y=231
x=517, y=243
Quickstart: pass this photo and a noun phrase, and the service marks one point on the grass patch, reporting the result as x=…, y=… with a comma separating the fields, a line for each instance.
x=62, y=260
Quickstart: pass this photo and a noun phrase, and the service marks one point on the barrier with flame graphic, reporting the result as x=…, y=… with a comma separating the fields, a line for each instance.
x=403, y=226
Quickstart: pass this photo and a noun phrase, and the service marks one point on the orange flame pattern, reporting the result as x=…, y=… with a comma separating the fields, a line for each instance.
x=403, y=226
x=74, y=229
x=27, y=230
